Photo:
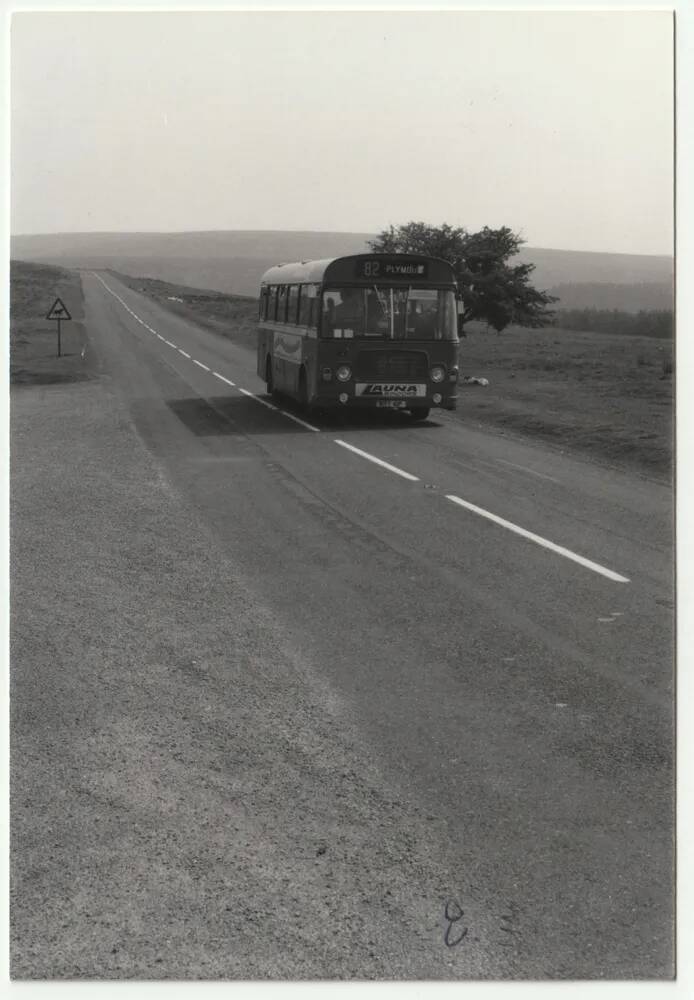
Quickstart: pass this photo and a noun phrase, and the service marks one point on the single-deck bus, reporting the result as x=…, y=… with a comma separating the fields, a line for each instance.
x=368, y=330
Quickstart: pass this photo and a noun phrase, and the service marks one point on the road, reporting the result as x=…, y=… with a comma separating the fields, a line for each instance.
x=481, y=626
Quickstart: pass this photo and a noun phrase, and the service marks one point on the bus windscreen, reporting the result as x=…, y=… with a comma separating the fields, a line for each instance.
x=389, y=313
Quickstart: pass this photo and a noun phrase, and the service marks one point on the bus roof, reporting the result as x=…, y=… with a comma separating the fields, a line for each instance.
x=401, y=268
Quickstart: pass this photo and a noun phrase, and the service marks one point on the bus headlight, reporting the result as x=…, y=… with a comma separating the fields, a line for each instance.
x=437, y=373
x=344, y=373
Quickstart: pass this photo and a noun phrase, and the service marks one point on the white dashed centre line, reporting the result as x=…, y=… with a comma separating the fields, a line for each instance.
x=298, y=420
x=200, y=364
x=531, y=536
x=378, y=461
x=263, y=402
x=544, y=542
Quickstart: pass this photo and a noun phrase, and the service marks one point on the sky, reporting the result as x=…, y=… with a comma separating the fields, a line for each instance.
x=557, y=124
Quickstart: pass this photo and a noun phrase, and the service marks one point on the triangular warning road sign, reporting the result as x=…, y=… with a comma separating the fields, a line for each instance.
x=59, y=311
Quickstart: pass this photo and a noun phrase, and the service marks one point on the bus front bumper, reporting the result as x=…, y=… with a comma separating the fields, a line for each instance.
x=345, y=396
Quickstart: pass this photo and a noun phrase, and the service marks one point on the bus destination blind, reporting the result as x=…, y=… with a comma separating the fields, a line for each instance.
x=389, y=269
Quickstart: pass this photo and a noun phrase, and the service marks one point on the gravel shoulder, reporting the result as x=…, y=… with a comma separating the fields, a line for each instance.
x=188, y=799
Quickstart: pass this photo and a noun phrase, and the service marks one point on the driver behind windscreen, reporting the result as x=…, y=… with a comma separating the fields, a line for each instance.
x=421, y=319
x=377, y=318
x=350, y=312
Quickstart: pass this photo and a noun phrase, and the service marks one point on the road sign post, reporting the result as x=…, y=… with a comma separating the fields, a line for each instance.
x=58, y=312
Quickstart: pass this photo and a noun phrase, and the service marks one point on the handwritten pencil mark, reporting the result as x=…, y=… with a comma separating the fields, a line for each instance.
x=509, y=924
x=454, y=913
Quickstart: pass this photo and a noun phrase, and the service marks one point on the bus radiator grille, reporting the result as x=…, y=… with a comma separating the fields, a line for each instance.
x=391, y=366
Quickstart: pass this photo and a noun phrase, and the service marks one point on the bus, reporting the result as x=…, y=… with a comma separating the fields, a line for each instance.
x=364, y=331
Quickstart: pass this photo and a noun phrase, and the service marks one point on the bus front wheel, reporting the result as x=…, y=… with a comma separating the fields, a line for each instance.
x=419, y=412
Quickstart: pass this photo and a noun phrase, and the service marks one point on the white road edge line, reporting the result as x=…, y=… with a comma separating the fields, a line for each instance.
x=200, y=364
x=184, y=353
x=559, y=549
x=378, y=461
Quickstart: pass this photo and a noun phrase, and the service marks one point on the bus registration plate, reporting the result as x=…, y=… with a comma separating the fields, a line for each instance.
x=391, y=404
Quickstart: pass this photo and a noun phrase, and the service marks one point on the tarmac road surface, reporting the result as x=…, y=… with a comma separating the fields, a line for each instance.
x=460, y=644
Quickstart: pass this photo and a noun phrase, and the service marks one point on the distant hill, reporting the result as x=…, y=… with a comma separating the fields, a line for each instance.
x=646, y=295
x=557, y=267
x=222, y=261
x=234, y=261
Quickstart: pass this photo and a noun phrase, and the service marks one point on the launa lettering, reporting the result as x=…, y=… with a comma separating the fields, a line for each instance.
x=381, y=389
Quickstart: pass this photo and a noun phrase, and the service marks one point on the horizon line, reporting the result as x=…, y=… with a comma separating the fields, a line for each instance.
x=333, y=232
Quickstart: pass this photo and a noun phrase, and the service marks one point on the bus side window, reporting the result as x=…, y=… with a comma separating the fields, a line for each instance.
x=282, y=303
x=304, y=307
x=306, y=300
x=308, y=308
x=270, y=302
x=293, y=303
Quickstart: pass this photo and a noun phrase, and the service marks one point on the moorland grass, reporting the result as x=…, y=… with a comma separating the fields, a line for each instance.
x=607, y=395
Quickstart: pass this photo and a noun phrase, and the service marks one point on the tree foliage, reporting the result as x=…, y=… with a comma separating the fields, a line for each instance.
x=492, y=289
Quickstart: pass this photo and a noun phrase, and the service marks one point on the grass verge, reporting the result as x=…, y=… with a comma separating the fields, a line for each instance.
x=33, y=339
x=606, y=395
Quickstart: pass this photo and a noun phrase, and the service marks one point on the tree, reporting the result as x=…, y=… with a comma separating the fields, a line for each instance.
x=492, y=290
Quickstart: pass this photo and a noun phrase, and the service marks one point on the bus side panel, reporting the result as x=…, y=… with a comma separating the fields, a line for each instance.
x=287, y=354
x=311, y=368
